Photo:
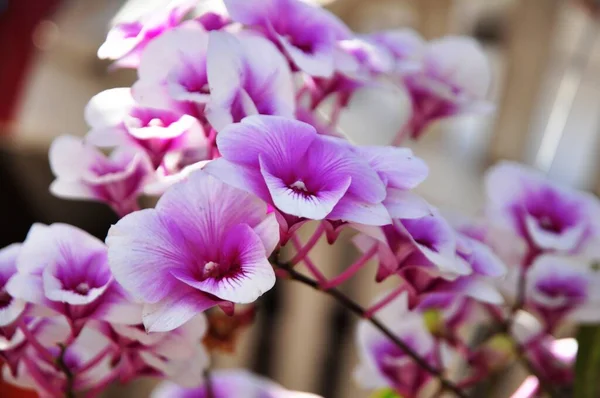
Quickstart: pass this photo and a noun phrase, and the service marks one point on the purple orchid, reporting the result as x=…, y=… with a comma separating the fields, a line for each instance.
x=64, y=269
x=306, y=33
x=126, y=40
x=405, y=46
x=436, y=264
x=166, y=136
x=83, y=172
x=230, y=383
x=454, y=79
x=383, y=364
x=247, y=75
x=205, y=243
x=176, y=355
x=11, y=308
x=304, y=175
x=172, y=72
x=547, y=216
x=562, y=286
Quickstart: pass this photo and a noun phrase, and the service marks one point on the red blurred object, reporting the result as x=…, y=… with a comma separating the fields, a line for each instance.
x=18, y=20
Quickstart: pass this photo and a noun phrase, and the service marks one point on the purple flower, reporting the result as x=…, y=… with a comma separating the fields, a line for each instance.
x=205, y=243
x=307, y=34
x=563, y=286
x=34, y=371
x=166, y=136
x=176, y=355
x=547, y=216
x=11, y=308
x=247, y=75
x=64, y=269
x=436, y=264
x=405, y=46
x=126, y=40
x=454, y=79
x=384, y=364
x=172, y=71
x=83, y=172
x=287, y=164
x=230, y=383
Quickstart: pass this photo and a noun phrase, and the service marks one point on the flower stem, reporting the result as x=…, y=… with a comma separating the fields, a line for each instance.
x=360, y=311
x=70, y=378
x=351, y=270
x=302, y=252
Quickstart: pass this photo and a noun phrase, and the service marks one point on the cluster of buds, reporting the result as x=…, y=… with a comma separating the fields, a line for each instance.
x=225, y=125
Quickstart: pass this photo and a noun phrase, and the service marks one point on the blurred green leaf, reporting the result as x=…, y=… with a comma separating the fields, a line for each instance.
x=587, y=365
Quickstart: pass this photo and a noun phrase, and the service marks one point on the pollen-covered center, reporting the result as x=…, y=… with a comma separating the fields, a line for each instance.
x=214, y=270
x=83, y=288
x=299, y=187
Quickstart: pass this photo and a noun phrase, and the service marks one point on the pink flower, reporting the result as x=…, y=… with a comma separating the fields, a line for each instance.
x=306, y=33
x=546, y=215
x=383, y=364
x=166, y=136
x=126, y=40
x=454, y=79
x=64, y=269
x=83, y=172
x=11, y=308
x=559, y=287
x=405, y=46
x=204, y=244
x=177, y=355
x=247, y=75
x=172, y=72
x=303, y=174
x=230, y=383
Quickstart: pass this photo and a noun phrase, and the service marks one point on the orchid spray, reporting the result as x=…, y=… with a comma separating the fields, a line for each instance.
x=224, y=126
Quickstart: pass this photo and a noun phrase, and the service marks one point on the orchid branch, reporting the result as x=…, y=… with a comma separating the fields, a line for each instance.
x=360, y=311
x=70, y=377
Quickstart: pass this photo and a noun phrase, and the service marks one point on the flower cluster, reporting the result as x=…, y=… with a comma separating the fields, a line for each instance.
x=224, y=124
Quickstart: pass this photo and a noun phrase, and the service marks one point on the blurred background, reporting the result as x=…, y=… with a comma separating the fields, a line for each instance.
x=545, y=58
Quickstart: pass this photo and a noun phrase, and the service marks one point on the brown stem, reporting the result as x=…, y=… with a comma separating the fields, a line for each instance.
x=361, y=312
x=62, y=366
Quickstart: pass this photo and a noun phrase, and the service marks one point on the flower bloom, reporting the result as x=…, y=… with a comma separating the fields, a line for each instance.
x=176, y=355
x=547, y=216
x=205, y=243
x=64, y=269
x=230, y=383
x=166, y=136
x=307, y=34
x=435, y=263
x=563, y=286
x=126, y=40
x=83, y=172
x=10, y=308
x=453, y=79
x=383, y=363
x=302, y=174
x=172, y=72
x=405, y=47
x=247, y=75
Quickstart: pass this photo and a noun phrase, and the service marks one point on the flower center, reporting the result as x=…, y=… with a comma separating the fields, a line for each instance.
x=155, y=122
x=83, y=289
x=211, y=270
x=548, y=224
x=299, y=186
